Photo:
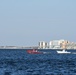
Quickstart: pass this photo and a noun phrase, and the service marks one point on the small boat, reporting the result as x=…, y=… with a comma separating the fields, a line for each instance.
x=63, y=52
x=34, y=51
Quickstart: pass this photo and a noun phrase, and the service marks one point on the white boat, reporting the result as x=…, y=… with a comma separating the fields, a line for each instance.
x=63, y=52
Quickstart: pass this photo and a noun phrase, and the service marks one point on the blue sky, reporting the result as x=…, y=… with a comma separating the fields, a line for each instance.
x=26, y=22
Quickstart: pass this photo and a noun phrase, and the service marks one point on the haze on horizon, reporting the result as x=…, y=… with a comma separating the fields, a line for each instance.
x=26, y=22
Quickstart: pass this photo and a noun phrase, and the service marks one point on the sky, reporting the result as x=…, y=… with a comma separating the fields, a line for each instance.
x=26, y=22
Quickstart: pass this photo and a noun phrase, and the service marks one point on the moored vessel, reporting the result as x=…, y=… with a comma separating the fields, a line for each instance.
x=34, y=51
x=63, y=52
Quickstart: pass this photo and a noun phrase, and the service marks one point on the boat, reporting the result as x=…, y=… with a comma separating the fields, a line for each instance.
x=63, y=52
x=34, y=51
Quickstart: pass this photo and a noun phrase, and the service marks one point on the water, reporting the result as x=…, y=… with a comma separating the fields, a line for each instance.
x=18, y=62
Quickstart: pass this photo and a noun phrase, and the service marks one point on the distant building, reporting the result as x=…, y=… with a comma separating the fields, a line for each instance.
x=71, y=45
x=64, y=44
x=43, y=45
x=56, y=44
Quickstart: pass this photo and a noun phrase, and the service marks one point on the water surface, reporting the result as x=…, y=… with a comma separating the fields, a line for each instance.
x=18, y=62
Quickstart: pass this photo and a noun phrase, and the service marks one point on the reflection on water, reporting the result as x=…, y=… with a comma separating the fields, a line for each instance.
x=18, y=62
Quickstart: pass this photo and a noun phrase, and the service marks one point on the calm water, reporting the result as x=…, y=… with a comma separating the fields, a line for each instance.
x=18, y=62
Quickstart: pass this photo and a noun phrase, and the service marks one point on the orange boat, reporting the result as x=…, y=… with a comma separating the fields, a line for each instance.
x=33, y=51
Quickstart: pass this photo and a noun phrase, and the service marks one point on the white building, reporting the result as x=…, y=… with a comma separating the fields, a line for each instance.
x=43, y=45
x=55, y=44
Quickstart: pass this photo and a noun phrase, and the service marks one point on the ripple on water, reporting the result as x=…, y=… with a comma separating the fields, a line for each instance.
x=21, y=63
